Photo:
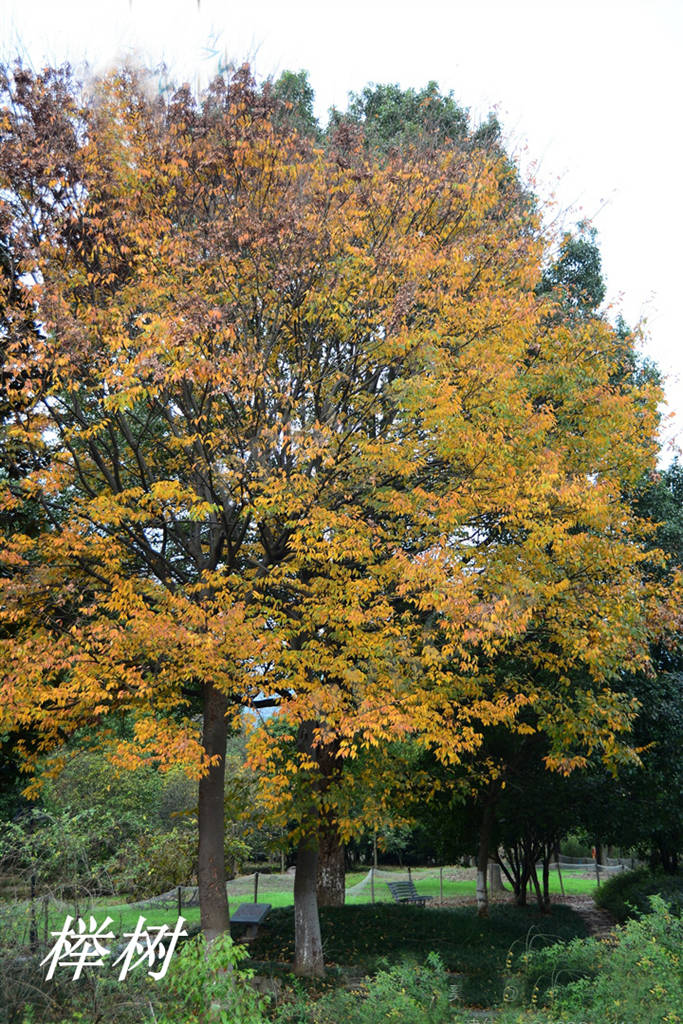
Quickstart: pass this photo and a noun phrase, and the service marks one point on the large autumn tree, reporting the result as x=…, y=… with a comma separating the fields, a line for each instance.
x=580, y=608
x=307, y=426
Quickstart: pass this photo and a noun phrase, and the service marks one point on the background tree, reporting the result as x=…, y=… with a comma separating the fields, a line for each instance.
x=575, y=275
x=642, y=808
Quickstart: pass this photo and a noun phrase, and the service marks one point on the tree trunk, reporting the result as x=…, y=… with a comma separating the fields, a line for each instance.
x=495, y=878
x=669, y=860
x=331, y=877
x=331, y=865
x=537, y=888
x=308, y=946
x=213, y=898
x=520, y=898
x=547, y=854
x=485, y=834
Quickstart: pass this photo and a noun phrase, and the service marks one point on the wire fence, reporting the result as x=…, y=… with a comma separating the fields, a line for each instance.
x=246, y=887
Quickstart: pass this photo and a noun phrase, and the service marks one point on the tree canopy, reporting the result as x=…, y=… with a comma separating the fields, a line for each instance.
x=303, y=422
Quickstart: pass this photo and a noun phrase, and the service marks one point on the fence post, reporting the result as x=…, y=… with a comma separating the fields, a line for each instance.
x=372, y=883
x=180, y=899
x=33, y=934
x=256, y=887
x=441, y=884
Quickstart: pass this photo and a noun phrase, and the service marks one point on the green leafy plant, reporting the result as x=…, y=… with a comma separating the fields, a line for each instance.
x=408, y=993
x=635, y=975
x=628, y=894
x=209, y=983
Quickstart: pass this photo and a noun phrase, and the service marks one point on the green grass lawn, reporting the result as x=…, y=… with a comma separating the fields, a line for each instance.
x=125, y=916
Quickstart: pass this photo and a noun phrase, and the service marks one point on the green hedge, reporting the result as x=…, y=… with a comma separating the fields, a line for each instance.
x=628, y=894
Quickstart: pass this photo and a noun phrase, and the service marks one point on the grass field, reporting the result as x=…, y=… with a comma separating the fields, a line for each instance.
x=124, y=915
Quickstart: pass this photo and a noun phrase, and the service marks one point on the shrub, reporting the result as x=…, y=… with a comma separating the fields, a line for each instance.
x=542, y=969
x=635, y=975
x=404, y=994
x=157, y=862
x=209, y=983
x=628, y=894
x=574, y=846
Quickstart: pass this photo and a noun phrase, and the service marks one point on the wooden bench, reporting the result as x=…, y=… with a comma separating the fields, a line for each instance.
x=251, y=914
x=405, y=892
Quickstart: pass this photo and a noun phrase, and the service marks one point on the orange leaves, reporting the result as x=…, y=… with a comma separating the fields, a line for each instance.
x=302, y=426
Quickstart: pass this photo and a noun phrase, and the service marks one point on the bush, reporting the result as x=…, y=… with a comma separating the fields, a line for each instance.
x=633, y=976
x=208, y=983
x=405, y=994
x=541, y=967
x=157, y=862
x=574, y=846
x=68, y=852
x=628, y=894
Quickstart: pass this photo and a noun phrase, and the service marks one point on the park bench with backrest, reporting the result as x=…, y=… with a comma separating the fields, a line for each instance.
x=405, y=892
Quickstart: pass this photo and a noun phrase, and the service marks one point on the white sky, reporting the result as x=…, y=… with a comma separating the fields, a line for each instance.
x=589, y=89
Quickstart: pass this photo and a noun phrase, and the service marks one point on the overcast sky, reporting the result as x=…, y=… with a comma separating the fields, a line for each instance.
x=589, y=91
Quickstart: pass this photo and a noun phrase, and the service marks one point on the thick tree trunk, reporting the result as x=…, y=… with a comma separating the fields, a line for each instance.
x=331, y=880
x=213, y=899
x=669, y=860
x=308, y=946
x=331, y=866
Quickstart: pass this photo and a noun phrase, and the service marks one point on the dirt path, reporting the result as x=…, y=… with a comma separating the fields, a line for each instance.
x=599, y=922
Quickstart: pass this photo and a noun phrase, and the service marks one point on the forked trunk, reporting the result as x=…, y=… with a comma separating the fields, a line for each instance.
x=308, y=946
x=213, y=898
x=331, y=884
x=537, y=888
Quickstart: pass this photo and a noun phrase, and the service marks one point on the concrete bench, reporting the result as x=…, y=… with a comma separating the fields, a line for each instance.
x=405, y=892
x=252, y=915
